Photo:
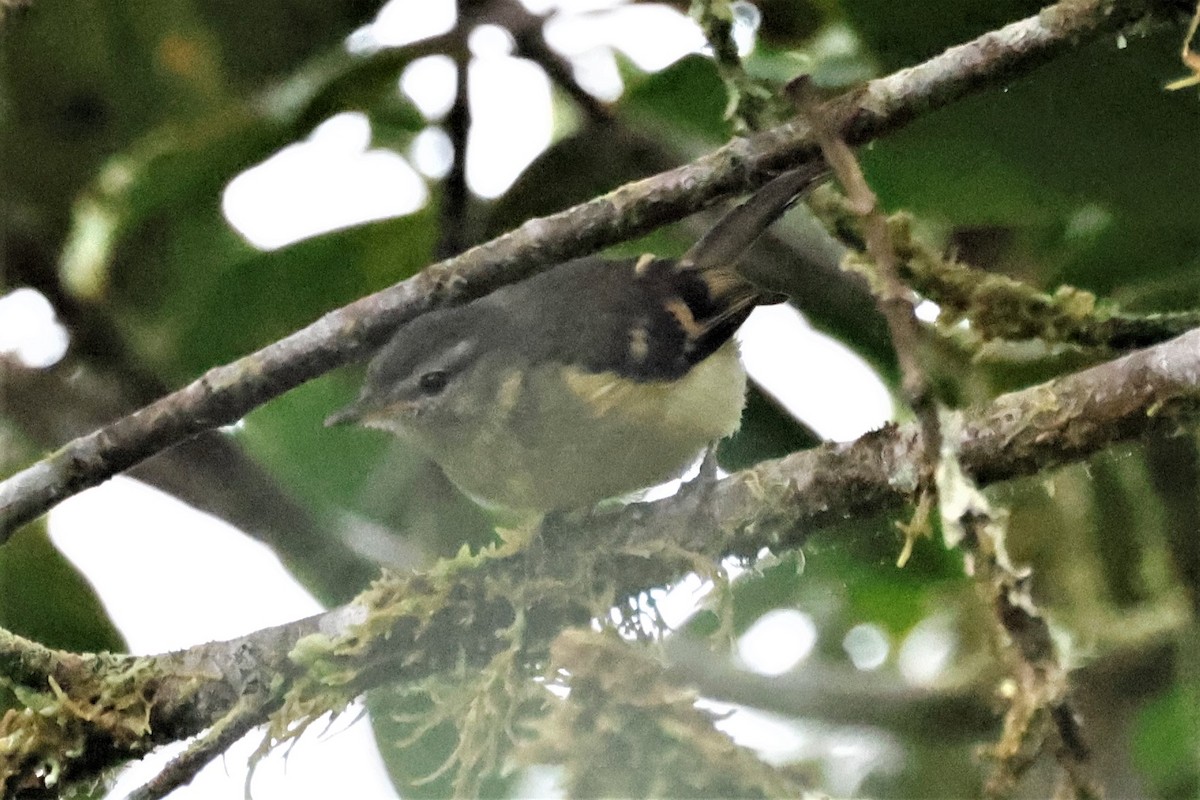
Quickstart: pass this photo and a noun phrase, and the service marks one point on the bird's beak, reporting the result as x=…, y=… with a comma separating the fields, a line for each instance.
x=351, y=413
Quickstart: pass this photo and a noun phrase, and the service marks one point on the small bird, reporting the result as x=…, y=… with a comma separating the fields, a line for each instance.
x=590, y=380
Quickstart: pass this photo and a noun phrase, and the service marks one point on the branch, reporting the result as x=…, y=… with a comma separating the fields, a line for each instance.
x=453, y=214
x=408, y=627
x=210, y=472
x=751, y=105
x=225, y=394
x=94, y=711
x=836, y=693
x=895, y=302
x=1000, y=307
x=528, y=30
x=244, y=717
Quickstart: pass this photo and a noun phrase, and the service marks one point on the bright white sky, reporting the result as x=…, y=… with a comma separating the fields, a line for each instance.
x=334, y=179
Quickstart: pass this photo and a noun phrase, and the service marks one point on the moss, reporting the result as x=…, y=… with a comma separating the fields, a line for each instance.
x=470, y=634
x=106, y=706
x=627, y=730
x=998, y=307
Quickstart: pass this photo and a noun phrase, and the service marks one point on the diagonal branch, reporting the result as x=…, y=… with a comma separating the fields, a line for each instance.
x=210, y=471
x=224, y=394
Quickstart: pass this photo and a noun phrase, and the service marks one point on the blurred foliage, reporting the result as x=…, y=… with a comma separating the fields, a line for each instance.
x=118, y=143
x=46, y=599
x=1164, y=743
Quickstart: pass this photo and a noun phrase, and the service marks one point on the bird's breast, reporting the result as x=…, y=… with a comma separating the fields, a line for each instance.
x=560, y=438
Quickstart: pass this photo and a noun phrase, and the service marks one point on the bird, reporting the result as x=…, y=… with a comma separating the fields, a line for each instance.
x=590, y=380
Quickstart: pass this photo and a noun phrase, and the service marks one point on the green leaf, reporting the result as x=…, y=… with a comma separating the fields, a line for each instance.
x=46, y=599
x=683, y=104
x=1166, y=739
x=251, y=301
x=1082, y=161
x=323, y=465
x=215, y=298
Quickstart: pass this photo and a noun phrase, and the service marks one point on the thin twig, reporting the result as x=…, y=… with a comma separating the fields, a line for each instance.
x=250, y=712
x=751, y=105
x=1189, y=57
x=529, y=31
x=894, y=299
x=998, y=306
x=453, y=216
x=1035, y=696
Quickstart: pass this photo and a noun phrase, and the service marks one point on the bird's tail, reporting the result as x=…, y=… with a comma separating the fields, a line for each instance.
x=731, y=237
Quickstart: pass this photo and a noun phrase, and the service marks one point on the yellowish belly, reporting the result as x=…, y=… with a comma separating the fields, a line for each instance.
x=558, y=443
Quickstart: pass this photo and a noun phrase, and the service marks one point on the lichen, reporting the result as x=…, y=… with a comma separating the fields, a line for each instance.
x=106, y=706
x=331, y=669
x=998, y=308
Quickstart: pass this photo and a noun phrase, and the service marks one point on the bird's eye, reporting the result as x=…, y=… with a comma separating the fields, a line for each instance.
x=433, y=382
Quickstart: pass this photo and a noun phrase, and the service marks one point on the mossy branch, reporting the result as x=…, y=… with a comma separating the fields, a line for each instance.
x=463, y=611
x=999, y=307
x=752, y=105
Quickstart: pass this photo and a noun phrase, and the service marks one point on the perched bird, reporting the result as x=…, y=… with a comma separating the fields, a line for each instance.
x=589, y=380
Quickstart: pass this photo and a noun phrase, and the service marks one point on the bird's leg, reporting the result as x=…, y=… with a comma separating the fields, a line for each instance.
x=708, y=465
x=706, y=478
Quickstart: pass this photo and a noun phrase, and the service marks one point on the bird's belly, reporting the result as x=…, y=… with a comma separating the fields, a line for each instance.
x=570, y=443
